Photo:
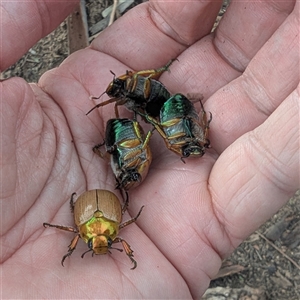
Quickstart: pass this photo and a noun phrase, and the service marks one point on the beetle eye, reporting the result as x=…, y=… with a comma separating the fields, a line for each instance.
x=109, y=242
x=90, y=244
x=115, y=88
x=207, y=144
x=118, y=83
x=186, y=152
x=137, y=177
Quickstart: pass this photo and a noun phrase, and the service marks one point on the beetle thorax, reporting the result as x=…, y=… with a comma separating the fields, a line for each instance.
x=97, y=227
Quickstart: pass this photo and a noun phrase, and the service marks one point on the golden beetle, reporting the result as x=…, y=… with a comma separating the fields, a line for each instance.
x=97, y=216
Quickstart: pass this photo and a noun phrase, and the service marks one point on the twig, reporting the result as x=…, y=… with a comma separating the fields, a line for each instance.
x=113, y=12
x=275, y=247
x=78, y=28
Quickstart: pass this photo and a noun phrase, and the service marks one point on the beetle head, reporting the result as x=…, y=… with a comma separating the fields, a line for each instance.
x=99, y=244
x=193, y=149
x=116, y=87
x=128, y=179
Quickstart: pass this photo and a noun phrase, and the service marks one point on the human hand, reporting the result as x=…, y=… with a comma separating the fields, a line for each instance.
x=195, y=213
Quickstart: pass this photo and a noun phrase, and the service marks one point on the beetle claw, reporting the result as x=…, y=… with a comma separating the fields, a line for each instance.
x=134, y=263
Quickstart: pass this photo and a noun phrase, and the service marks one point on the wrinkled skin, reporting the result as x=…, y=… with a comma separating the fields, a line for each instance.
x=196, y=213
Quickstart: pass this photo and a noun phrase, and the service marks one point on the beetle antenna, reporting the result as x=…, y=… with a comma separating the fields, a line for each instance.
x=113, y=74
x=83, y=254
x=121, y=250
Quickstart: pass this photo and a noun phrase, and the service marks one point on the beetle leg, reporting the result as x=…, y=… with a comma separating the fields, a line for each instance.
x=116, y=109
x=96, y=150
x=174, y=147
x=72, y=247
x=74, y=241
x=131, y=83
x=160, y=130
x=111, y=100
x=137, y=127
x=159, y=127
x=147, y=87
x=159, y=71
x=129, y=253
x=166, y=67
x=204, y=117
x=206, y=126
x=154, y=73
x=127, y=250
x=61, y=227
x=193, y=97
x=144, y=73
x=156, y=125
x=206, y=131
x=208, y=121
x=131, y=220
x=138, y=134
x=147, y=73
x=134, y=119
x=147, y=139
x=149, y=119
x=126, y=202
x=72, y=202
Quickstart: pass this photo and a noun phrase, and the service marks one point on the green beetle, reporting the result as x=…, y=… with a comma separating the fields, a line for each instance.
x=129, y=150
x=183, y=131
x=97, y=216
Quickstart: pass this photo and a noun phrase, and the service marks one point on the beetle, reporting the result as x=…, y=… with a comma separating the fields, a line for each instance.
x=129, y=150
x=138, y=91
x=183, y=131
x=97, y=216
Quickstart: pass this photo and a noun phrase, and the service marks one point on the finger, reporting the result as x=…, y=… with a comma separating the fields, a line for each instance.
x=153, y=33
x=246, y=26
x=210, y=64
x=25, y=22
x=255, y=176
x=269, y=78
x=180, y=20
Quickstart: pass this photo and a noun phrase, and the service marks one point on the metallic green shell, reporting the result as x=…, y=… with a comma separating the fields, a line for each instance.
x=118, y=130
x=178, y=106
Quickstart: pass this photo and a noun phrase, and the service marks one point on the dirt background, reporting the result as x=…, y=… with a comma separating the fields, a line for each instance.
x=266, y=265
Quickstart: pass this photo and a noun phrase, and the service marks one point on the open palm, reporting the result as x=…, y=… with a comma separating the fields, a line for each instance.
x=195, y=213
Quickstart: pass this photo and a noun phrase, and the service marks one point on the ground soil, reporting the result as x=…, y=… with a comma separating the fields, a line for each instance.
x=266, y=265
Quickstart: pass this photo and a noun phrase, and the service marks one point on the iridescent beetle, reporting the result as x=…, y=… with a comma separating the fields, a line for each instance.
x=183, y=131
x=129, y=151
x=97, y=216
x=138, y=91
